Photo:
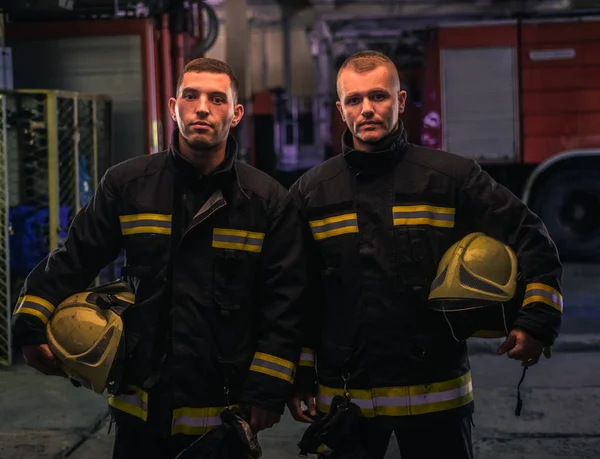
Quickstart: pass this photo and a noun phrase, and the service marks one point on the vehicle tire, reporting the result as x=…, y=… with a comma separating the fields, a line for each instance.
x=568, y=202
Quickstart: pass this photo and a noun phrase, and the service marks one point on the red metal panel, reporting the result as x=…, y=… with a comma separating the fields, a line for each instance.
x=559, y=33
x=577, y=124
x=478, y=36
x=561, y=88
x=577, y=101
x=71, y=29
x=561, y=78
x=583, y=54
x=538, y=149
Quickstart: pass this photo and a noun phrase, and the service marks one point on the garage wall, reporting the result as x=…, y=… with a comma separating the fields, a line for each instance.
x=110, y=65
x=266, y=48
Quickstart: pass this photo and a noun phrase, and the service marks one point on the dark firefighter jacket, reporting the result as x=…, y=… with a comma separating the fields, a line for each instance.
x=377, y=225
x=235, y=288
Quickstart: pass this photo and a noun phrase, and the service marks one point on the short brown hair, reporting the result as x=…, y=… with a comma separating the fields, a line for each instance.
x=365, y=61
x=207, y=64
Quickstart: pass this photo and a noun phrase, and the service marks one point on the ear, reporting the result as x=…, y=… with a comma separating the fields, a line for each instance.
x=172, y=104
x=338, y=104
x=401, y=101
x=238, y=113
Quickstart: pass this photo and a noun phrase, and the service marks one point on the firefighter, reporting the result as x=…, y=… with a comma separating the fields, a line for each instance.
x=214, y=256
x=378, y=220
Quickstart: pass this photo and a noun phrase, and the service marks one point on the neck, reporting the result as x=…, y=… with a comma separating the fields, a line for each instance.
x=371, y=147
x=204, y=160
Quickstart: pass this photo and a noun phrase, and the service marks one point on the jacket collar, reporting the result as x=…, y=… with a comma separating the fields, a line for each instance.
x=387, y=153
x=187, y=170
x=222, y=177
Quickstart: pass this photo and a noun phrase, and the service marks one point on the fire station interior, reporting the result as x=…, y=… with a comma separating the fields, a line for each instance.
x=513, y=84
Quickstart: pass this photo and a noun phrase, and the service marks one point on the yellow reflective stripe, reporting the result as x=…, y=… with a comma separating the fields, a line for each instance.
x=423, y=215
x=307, y=358
x=324, y=450
x=145, y=224
x=237, y=240
x=196, y=421
x=138, y=217
x=405, y=400
x=334, y=226
x=542, y=293
x=35, y=306
x=135, y=404
x=273, y=366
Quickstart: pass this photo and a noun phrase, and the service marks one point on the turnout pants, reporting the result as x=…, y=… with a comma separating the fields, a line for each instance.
x=446, y=438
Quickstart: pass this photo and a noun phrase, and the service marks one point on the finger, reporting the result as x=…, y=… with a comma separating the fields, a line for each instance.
x=296, y=410
x=299, y=414
x=311, y=405
x=508, y=343
x=517, y=352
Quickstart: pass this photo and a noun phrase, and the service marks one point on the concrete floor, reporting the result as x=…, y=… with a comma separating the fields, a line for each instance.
x=47, y=418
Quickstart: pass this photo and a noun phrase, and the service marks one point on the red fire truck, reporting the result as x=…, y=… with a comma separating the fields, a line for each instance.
x=523, y=99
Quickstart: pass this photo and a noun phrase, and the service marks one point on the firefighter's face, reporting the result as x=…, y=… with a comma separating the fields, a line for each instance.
x=205, y=109
x=370, y=103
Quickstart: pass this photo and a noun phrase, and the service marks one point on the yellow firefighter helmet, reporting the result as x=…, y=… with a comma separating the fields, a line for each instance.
x=476, y=287
x=85, y=333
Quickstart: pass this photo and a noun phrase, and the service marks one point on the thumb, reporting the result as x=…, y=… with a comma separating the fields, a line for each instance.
x=47, y=354
x=508, y=343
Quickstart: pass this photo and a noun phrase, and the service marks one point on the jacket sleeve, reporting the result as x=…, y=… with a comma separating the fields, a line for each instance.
x=281, y=313
x=306, y=379
x=494, y=210
x=93, y=241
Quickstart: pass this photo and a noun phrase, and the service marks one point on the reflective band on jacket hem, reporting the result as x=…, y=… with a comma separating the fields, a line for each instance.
x=273, y=366
x=237, y=240
x=542, y=293
x=145, y=224
x=307, y=358
x=35, y=306
x=325, y=450
x=405, y=400
x=334, y=226
x=135, y=404
x=423, y=215
x=196, y=421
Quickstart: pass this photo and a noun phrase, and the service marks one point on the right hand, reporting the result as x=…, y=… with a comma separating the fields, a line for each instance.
x=42, y=359
x=295, y=406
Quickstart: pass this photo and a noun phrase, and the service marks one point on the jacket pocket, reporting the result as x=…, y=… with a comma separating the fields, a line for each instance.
x=415, y=263
x=232, y=280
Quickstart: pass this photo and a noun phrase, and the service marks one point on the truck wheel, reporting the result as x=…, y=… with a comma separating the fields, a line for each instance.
x=568, y=202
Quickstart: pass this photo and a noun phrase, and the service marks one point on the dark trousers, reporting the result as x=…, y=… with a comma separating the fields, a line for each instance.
x=422, y=439
x=134, y=443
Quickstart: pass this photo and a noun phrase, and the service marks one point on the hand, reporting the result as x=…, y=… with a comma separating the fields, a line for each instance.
x=520, y=346
x=261, y=418
x=42, y=359
x=295, y=407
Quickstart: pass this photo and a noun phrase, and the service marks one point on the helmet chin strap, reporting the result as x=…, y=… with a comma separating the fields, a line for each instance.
x=450, y=325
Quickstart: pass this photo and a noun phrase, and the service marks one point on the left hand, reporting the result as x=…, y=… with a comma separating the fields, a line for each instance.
x=261, y=418
x=519, y=345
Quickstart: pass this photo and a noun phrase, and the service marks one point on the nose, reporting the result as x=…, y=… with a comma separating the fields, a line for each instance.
x=367, y=108
x=202, y=106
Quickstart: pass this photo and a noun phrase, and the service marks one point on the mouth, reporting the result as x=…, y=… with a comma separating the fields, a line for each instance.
x=200, y=125
x=369, y=124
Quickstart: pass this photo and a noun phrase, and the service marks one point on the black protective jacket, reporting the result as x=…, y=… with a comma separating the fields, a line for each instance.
x=377, y=225
x=232, y=291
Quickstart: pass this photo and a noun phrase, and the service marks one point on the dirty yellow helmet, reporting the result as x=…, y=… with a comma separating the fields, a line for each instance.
x=476, y=286
x=85, y=333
